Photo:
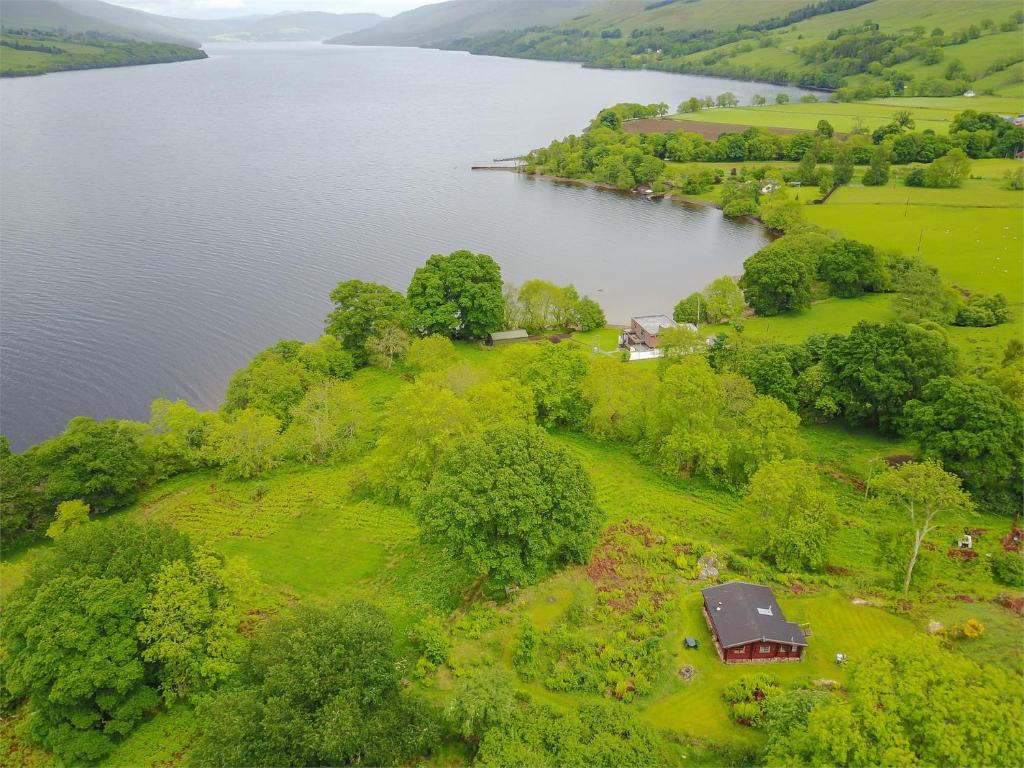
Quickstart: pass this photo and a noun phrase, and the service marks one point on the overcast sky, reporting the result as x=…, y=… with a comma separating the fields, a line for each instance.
x=213, y=9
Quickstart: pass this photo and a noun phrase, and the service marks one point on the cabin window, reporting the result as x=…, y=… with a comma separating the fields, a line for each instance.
x=765, y=649
x=741, y=649
x=793, y=649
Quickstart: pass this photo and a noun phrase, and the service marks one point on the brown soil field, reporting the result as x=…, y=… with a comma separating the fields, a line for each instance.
x=709, y=131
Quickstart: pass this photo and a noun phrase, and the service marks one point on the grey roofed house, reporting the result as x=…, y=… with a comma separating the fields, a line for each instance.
x=501, y=337
x=743, y=613
x=652, y=324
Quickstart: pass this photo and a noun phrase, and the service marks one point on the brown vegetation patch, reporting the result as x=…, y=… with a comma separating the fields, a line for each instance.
x=837, y=570
x=1012, y=540
x=1012, y=603
x=709, y=131
x=617, y=570
x=964, y=598
x=955, y=553
x=853, y=482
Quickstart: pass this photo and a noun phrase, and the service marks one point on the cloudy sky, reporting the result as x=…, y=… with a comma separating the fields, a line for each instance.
x=212, y=9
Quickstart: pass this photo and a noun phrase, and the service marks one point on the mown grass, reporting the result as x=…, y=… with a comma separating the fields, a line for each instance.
x=933, y=113
x=837, y=625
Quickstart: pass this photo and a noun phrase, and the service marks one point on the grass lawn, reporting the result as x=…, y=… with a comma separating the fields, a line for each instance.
x=927, y=112
x=830, y=315
x=837, y=625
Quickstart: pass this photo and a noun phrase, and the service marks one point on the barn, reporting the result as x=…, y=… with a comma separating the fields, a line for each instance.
x=748, y=625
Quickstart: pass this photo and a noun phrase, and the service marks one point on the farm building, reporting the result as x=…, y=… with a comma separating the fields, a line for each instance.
x=748, y=625
x=506, y=337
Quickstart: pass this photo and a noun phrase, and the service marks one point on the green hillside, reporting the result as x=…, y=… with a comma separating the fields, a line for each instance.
x=77, y=16
x=862, y=48
x=34, y=53
x=95, y=16
x=432, y=24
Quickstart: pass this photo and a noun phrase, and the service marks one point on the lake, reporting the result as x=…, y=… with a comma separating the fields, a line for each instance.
x=161, y=224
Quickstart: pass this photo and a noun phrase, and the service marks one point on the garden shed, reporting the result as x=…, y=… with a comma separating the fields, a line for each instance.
x=506, y=337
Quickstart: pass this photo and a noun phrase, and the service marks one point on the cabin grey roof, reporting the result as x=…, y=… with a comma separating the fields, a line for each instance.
x=654, y=323
x=519, y=333
x=748, y=613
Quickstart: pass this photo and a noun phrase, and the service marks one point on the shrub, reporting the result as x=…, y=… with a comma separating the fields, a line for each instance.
x=1008, y=569
x=973, y=629
x=430, y=636
x=980, y=311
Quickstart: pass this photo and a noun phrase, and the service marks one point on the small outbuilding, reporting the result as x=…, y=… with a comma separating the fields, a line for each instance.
x=748, y=625
x=506, y=337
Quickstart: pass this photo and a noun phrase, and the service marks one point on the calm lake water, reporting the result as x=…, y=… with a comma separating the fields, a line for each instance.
x=161, y=224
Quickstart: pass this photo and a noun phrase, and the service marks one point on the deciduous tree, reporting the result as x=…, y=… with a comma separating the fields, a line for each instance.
x=899, y=697
x=69, y=515
x=432, y=353
x=246, y=444
x=878, y=367
x=972, y=428
x=423, y=423
x=851, y=268
x=360, y=310
x=328, y=423
x=317, y=688
x=921, y=491
x=512, y=504
x=797, y=516
x=459, y=295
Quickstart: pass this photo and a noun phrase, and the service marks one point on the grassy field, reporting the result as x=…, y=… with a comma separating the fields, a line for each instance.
x=928, y=113
x=972, y=234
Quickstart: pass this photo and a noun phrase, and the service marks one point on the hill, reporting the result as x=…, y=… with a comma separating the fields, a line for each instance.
x=77, y=16
x=862, y=48
x=306, y=25
x=432, y=24
x=36, y=53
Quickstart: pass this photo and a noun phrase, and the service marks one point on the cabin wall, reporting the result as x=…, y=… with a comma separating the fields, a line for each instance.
x=752, y=652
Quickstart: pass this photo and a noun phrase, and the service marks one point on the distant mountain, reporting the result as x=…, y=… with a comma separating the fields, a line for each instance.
x=90, y=16
x=96, y=16
x=306, y=25
x=431, y=24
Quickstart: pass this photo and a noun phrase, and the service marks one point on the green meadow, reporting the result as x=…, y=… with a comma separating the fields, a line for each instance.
x=973, y=234
x=928, y=113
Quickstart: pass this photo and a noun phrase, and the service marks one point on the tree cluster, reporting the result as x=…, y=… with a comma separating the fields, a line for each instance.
x=539, y=305
x=116, y=618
